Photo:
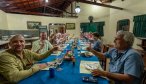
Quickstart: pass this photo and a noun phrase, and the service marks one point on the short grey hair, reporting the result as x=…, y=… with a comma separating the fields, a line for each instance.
x=16, y=36
x=127, y=36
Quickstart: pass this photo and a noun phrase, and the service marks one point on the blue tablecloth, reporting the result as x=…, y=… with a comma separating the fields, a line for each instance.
x=68, y=75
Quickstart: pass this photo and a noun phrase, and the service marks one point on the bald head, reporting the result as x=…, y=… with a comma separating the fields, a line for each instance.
x=17, y=43
x=18, y=36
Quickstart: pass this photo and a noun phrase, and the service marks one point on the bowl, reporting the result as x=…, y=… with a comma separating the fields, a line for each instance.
x=88, y=54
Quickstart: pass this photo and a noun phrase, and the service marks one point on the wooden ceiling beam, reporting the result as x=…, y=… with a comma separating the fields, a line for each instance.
x=33, y=7
x=31, y=13
x=24, y=1
x=53, y=7
x=99, y=4
x=65, y=4
x=30, y=8
x=53, y=3
x=59, y=10
x=22, y=4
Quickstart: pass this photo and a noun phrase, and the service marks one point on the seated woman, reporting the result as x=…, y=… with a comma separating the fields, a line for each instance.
x=52, y=38
x=97, y=42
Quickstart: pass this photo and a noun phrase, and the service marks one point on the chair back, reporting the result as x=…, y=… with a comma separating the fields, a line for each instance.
x=143, y=78
x=103, y=61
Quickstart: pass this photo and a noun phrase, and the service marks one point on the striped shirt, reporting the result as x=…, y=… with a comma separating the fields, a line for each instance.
x=37, y=44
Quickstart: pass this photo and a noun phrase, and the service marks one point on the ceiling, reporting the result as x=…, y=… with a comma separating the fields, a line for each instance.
x=54, y=8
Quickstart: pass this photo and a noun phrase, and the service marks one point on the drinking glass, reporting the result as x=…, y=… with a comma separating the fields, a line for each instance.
x=59, y=60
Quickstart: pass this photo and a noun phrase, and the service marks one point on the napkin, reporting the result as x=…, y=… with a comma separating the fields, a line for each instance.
x=87, y=66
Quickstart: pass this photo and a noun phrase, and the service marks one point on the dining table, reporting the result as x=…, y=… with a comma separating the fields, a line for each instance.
x=69, y=74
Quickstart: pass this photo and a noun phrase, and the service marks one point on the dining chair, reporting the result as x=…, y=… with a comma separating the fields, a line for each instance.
x=143, y=78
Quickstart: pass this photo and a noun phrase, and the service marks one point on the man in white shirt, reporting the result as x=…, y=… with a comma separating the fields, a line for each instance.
x=42, y=45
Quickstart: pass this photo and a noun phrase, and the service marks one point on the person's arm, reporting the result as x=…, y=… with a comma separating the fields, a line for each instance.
x=98, y=54
x=50, y=45
x=115, y=76
x=38, y=57
x=133, y=68
x=12, y=71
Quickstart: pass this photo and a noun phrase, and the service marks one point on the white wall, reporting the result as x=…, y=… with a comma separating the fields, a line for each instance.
x=97, y=12
x=131, y=8
x=19, y=22
x=3, y=20
x=110, y=16
x=106, y=28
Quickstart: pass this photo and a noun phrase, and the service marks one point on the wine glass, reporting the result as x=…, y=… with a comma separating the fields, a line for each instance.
x=59, y=61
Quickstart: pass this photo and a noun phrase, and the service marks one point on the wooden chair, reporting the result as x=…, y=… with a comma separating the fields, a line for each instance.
x=143, y=54
x=103, y=61
x=143, y=78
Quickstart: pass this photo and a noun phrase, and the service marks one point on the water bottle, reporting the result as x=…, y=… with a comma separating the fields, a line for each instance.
x=73, y=61
x=51, y=72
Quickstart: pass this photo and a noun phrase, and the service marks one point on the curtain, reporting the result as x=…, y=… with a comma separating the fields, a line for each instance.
x=100, y=28
x=84, y=27
x=139, y=28
x=93, y=27
x=123, y=25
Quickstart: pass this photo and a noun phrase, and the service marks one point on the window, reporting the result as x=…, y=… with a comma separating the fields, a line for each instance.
x=93, y=27
x=139, y=29
x=123, y=25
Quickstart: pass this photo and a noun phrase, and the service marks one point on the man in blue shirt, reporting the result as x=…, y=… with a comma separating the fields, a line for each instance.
x=126, y=65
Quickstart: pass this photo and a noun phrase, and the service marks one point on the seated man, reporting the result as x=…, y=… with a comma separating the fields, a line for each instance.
x=97, y=42
x=17, y=63
x=42, y=45
x=126, y=65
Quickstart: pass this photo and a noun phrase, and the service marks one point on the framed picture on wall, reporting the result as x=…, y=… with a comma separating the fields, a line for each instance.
x=33, y=24
x=70, y=26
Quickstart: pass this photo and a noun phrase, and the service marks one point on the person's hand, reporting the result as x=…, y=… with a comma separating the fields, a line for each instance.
x=88, y=48
x=60, y=49
x=50, y=63
x=41, y=66
x=55, y=48
x=98, y=72
x=42, y=46
x=54, y=45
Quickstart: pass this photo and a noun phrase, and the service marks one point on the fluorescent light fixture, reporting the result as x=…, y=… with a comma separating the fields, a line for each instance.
x=77, y=9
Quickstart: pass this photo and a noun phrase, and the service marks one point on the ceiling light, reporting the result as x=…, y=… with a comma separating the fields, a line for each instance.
x=98, y=1
x=77, y=9
x=46, y=1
